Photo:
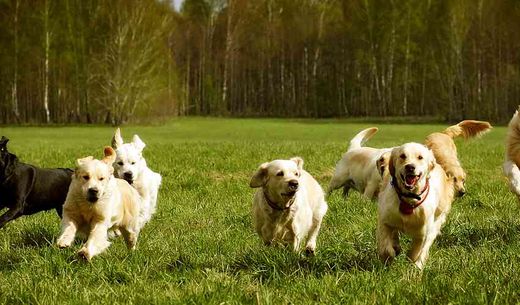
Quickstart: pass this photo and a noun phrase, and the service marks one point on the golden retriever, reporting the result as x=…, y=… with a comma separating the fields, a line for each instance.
x=415, y=199
x=360, y=168
x=97, y=202
x=289, y=204
x=512, y=159
x=445, y=151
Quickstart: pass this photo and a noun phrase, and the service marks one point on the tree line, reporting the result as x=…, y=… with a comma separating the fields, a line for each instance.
x=113, y=61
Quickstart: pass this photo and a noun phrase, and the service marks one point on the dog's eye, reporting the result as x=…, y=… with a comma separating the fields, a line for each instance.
x=420, y=157
x=120, y=163
x=133, y=163
x=455, y=179
x=297, y=174
x=86, y=177
x=280, y=174
x=402, y=156
x=102, y=178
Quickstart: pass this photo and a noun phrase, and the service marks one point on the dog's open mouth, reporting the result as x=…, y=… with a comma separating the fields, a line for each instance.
x=410, y=180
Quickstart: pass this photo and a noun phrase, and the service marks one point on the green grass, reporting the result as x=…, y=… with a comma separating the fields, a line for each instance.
x=200, y=246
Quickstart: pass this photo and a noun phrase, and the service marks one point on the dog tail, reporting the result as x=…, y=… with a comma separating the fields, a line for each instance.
x=362, y=137
x=468, y=129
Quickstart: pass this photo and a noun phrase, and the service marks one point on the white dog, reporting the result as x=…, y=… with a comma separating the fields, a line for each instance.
x=512, y=160
x=415, y=199
x=289, y=204
x=361, y=168
x=131, y=166
x=97, y=202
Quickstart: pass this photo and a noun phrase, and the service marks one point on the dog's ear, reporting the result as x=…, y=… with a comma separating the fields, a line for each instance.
x=259, y=177
x=382, y=164
x=82, y=161
x=298, y=161
x=391, y=165
x=3, y=142
x=433, y=161
x=117, y=140
x=138, y=143
x=109, y=155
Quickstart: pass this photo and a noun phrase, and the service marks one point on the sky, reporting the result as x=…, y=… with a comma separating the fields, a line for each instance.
x=177, y=4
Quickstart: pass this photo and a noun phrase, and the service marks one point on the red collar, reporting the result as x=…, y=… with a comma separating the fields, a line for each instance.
x=406, y=207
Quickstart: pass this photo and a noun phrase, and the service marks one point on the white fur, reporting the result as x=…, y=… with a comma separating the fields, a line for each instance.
x=359, y=168
x=424, y=224
x=130, y=160
x=304, y=211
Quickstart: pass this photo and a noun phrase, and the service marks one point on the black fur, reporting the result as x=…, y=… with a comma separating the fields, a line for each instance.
x=26, y=189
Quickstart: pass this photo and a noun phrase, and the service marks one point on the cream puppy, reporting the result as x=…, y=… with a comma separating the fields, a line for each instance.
x=289, y=204
x=97, y=202
x=415, y=199
x=130, y=165
x=357, y=168
x=512, y=159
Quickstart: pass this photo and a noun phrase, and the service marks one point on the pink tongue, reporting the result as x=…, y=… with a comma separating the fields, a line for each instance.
x=410, y=180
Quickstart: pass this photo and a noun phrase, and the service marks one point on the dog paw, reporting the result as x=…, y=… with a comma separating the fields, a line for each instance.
x=310, y=251
x=84, y=253
x=61, y=244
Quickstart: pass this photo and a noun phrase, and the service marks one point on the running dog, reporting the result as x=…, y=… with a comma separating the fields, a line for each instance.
x=512, y=158
x=26, y=189
x=130, y=165
x=289, y=205
x=415, y=199
x=445, y=151
x=361, y=168
x=96, y=203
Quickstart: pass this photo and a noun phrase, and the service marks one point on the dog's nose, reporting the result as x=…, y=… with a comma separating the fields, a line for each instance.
x=461, y=193
x=93, y=191
x=128, y=176
x=410, y=167
x=293, y=184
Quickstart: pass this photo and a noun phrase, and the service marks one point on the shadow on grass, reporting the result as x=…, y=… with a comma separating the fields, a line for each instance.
x=274, y=263
x=38, y=238
x=9, y=261
x=469, y=237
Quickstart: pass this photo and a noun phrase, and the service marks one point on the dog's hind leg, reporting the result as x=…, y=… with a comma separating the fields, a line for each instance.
x=130, y=236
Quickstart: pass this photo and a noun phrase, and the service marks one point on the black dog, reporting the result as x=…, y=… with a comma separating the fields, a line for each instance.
x=26, y=189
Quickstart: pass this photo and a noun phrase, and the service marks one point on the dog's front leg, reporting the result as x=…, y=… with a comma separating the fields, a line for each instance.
x=11, y=214
x=68, y=232
x=97, y=241
x=386, y=242
x=425, y=251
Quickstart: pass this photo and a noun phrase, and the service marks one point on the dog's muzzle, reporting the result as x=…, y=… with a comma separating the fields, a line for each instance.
x=92, y=195
x=129, y=177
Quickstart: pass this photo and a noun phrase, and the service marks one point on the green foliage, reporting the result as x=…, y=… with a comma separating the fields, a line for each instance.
x=201, y=248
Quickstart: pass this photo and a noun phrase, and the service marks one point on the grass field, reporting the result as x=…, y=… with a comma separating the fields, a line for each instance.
x=201, y=248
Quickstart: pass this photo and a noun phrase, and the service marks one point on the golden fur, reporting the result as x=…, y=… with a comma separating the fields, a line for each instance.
x=360, y=168
x=96, y=203
x=512, y=158
x=299, y=201
x=445, y=151
x=425, y=221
